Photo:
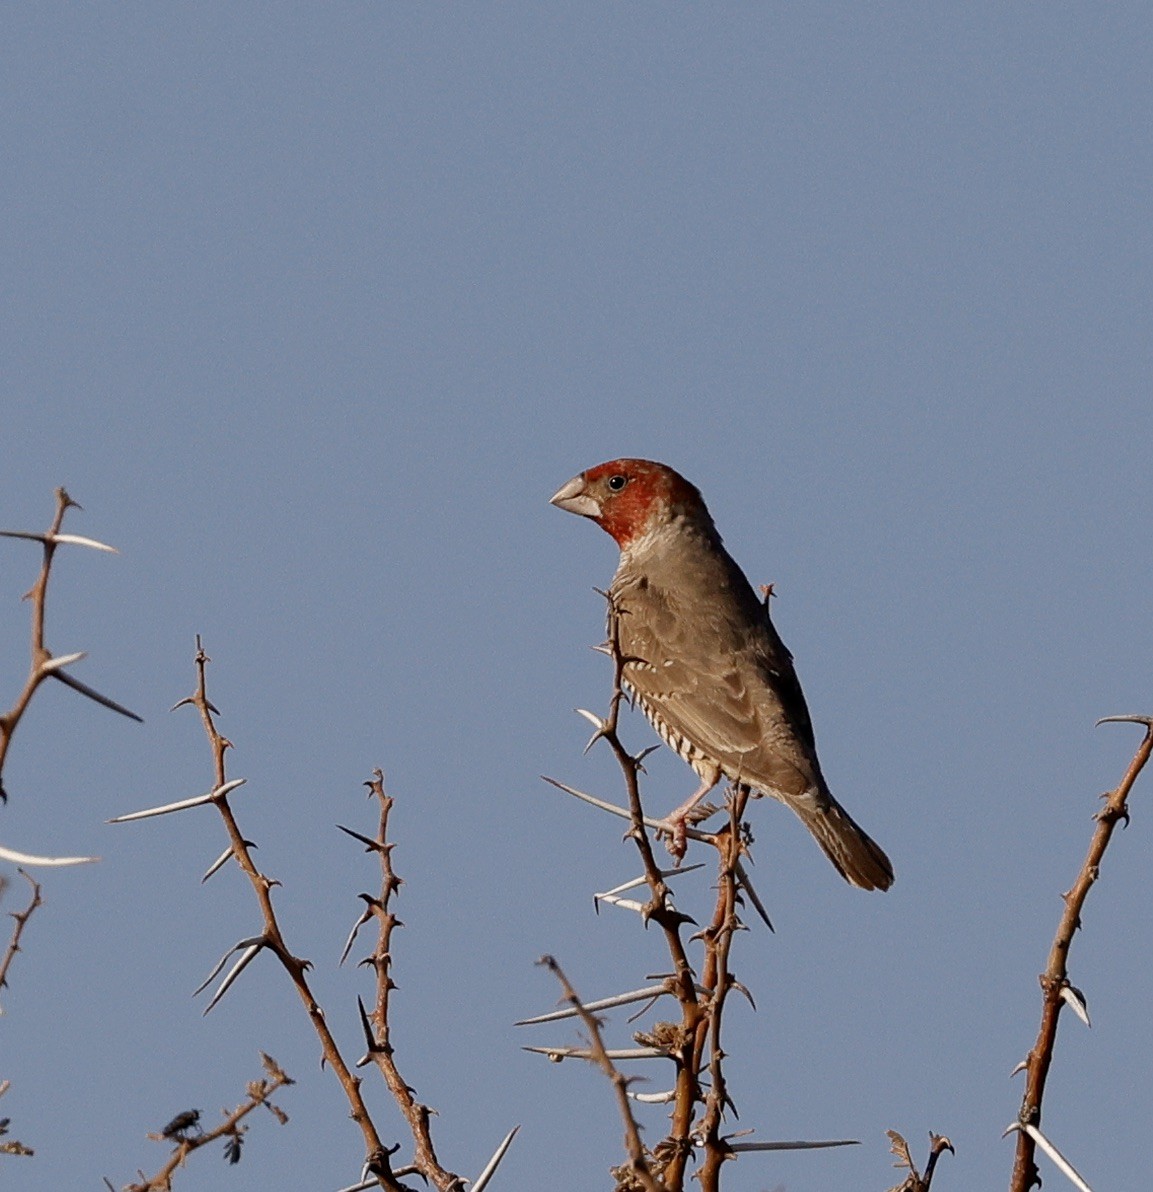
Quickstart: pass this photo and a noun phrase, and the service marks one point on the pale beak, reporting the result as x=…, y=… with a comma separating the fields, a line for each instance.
x=572, y=498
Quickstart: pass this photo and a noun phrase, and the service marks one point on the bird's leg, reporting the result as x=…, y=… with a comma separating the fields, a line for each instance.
x=676, y=823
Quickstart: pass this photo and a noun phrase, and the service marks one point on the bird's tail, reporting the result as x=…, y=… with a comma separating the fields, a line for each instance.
x=858, y=857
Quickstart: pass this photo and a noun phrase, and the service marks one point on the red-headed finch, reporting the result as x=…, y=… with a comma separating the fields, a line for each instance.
x=703, y=659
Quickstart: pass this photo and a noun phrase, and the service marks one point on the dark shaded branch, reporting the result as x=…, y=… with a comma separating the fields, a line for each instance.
x=915, y=1181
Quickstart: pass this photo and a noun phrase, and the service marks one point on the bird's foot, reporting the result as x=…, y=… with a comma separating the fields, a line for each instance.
x=673, y=830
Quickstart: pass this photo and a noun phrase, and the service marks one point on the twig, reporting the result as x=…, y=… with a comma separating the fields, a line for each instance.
x=43, y=665
x=185, y=1131
x=21, y=921
x=272, y=939
x=718, y=937
x=638, y=1157
x=1055, y=978
x=377, y=1026
x=675, y=1151
x=694, y=1043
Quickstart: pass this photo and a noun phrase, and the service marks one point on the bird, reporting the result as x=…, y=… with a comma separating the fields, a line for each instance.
x=704, y=661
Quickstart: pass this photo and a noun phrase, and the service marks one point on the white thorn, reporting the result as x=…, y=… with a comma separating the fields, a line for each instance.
x=220, y=861
x=605, y=1003
x=182, y=805
x=598, y=722
x=76, y=540
x=583, y=1053
x=640, y=881
x=624, y=813
x=9, y=854
x=1060, y=1162
x=1075, y=1000
x=628, y=904
x=54, y=664
x=655, y=1098
x=493, y=1163
x=234, y=972
x=256, y=939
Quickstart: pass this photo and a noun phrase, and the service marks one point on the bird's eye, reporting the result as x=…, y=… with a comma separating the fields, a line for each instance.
x=617, y=482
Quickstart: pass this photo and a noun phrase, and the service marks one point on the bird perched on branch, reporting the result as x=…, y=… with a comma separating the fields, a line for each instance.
x=703, y=660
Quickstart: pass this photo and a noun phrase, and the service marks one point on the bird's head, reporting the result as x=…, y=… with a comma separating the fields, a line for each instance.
x=630, y=498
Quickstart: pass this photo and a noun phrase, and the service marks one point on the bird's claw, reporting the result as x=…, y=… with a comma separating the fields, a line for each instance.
x=673, y=829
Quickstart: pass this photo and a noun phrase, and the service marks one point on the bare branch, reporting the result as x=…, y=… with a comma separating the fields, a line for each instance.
x=638, y=1156
x=186, y=1132
x=21, y=922
x=377, y=1026
x=1056, y=990
x=43, y=665
x=271, y=937
x=694, y=1043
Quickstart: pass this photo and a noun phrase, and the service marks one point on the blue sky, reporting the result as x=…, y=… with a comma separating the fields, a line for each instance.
x=312, y=308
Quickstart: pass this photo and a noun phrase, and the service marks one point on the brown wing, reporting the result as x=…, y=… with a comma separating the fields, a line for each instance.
x=716, y=672
x=707, y=664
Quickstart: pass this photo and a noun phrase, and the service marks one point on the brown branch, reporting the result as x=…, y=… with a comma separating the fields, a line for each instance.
x=21, y=918
x=685, y=1051
x=694, y=1044
x=377, y=1029
x=185, y=1130
x=1055, y=979
x=40, y=666
x=377, y=1155
x=38, y=597
x=718, y=937
x=638, y=1157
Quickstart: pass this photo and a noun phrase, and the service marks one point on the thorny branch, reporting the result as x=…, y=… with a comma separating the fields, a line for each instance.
x=43, y=664
x=1056, y=990
x=186, y=1132
x=21, y=921
x=272, y=939
x=377, y=1029
x=718, y=938
x=694, y=1043
x=378, y=1171
x=685, y=1044
x=637, y=1158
